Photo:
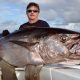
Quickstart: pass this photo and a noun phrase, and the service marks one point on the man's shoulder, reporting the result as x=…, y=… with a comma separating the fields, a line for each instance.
x=22, y=26
x=44, y=23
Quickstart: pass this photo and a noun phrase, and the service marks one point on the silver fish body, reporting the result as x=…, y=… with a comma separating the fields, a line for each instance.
x=36, y=46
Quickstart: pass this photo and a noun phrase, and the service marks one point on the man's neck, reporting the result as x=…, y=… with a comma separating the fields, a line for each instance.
x=33, y=21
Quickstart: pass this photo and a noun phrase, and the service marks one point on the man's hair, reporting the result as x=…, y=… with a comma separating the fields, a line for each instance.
x=33, y=4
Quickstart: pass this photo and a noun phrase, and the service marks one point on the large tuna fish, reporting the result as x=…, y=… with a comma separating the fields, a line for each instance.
x=37, y=46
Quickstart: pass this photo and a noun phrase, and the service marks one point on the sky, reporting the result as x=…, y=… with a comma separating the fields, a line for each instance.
x=58, y=13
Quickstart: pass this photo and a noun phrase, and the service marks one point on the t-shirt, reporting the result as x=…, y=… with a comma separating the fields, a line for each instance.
x=39, y=23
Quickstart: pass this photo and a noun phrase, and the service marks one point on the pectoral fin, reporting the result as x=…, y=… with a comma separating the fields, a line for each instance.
x=24, y=44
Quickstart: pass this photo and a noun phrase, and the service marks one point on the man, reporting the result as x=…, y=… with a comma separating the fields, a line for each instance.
x=32, y=12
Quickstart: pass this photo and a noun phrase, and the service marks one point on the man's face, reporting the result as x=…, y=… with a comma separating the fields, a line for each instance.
x=32, y=13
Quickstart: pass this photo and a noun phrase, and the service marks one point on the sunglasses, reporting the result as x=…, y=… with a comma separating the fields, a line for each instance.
x=35, y=11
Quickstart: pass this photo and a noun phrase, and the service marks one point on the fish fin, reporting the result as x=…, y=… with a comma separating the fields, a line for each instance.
x=24, y=44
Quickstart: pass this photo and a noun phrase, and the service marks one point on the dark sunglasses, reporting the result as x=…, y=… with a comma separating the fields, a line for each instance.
x=35, y=11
